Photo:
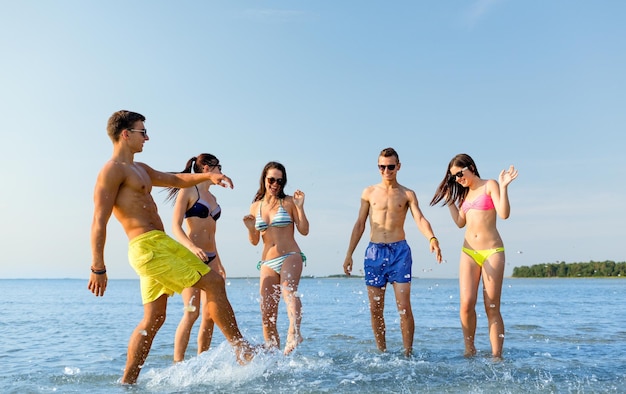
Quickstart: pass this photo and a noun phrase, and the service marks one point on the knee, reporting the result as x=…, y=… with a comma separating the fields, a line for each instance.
x=289, y=291
x=153, y=322
x=492, y=310
x=288, y=287
x=191, y=317
x=405, y=311
x=160, y=321
x=467, y=307
x=376, y=309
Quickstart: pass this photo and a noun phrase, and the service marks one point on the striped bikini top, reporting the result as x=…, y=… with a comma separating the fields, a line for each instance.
x=281, y=219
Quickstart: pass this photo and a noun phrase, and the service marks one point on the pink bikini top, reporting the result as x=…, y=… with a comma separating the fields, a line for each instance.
x=481, y=203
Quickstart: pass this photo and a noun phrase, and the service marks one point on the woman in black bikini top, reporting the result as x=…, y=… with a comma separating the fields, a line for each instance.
x=197, y=207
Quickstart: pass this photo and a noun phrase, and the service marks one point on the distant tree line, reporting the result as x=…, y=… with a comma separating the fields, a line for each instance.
x=572, y=270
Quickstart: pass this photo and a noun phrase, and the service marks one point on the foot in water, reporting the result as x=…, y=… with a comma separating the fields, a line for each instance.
x=245, y=352
x=292, y=343
x=469, y=353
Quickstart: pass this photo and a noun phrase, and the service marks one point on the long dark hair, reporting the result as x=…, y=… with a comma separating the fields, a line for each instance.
x=195, y=164
x=449, y=189
x=261, y=192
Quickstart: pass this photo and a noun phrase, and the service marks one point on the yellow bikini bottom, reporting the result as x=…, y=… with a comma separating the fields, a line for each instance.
x=480, y=256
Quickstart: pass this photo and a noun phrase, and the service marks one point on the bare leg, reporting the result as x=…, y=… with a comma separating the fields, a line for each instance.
x=377, y=306
x=290, y=278
x=493, y=274
x=221, y=311
x=142, y=337
x=469, y=278
x=205, y=333
x=191, y=298
x=407, y=322
x=270, y=296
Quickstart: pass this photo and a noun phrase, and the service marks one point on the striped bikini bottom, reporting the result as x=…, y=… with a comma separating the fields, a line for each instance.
x=277, y=263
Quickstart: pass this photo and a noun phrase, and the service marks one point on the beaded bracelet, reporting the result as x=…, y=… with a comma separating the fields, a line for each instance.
x=99, y=272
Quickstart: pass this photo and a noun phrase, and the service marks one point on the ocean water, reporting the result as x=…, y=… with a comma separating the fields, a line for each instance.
x=562, y=336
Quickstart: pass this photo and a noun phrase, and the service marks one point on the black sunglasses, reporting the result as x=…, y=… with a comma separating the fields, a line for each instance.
x=143, y=132
x=275, y=180
x=219, y=166
x=390, y=167
x=458, y=174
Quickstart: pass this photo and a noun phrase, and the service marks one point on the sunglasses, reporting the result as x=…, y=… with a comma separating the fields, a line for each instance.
x=390, y=167
x=219, y=166
x=144, y=132
x=275, y=180
x=458, y=174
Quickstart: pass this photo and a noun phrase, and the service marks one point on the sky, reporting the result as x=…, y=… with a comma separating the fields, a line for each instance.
x=322, y=87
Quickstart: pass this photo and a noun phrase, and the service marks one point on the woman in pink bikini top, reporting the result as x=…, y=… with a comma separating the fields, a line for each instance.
x=475, y=203
x=482, y=203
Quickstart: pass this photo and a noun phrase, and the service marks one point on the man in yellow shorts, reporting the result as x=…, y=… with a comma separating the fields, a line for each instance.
x=164, y=266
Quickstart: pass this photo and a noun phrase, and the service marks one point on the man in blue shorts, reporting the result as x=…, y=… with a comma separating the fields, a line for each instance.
x=388, y=256
x=164, y=266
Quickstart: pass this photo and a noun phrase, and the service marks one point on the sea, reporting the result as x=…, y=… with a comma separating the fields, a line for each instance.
x=562, y=336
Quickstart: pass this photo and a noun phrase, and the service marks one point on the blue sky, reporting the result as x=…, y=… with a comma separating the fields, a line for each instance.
x=321, y=86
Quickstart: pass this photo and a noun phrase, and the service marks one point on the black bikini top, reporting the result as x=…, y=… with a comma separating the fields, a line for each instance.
x=202, y=209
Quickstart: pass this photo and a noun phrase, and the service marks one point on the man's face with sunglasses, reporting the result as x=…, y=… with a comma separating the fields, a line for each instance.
x=388, y=166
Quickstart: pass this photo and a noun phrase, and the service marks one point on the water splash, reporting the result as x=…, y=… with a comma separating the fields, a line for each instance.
x=190, y=307
x=71, y=371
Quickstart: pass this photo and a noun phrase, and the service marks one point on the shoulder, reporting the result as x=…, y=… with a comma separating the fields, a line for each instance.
x=368, y=191
x=407, y=192
x=113, y=170
x=405, y=189
x=289, y=203
x=255, y=206
x=186, y=192
x=113, y=165
x=491, y=185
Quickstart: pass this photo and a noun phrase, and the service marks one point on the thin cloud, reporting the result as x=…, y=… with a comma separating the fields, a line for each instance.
x=478, y=10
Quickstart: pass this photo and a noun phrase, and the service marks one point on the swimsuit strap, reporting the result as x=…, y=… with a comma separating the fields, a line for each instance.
x=198, y=199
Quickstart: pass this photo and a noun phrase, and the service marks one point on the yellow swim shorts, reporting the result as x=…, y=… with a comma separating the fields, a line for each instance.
x=164, y=266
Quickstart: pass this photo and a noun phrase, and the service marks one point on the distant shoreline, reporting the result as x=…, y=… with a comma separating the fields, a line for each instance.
x=591, y=269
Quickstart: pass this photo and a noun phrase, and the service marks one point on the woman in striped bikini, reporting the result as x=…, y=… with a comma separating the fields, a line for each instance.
x=274, y=217
x=475, y=203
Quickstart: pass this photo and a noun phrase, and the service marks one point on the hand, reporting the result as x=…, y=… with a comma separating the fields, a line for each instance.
x=507, y=176
x=221, y=180
x=249, y=221
x=298, y=198
x=97, y=284
x=347, y=265
x=434, y=247
x=198, y=252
